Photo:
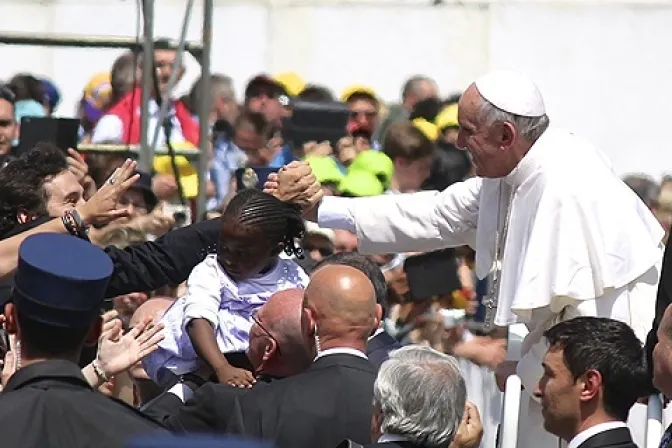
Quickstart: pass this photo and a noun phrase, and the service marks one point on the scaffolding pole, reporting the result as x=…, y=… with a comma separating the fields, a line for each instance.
x=204, y=112
x=82, y=41
x=145, y=161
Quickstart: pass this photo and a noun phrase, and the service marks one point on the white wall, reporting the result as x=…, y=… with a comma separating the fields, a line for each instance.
x=604, y=67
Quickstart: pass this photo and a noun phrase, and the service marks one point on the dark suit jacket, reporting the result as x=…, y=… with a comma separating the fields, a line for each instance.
x=663, y=299
x=613, y=438
x=379, y=347
x=151, y=265
x=328, y=403
x=351, y=444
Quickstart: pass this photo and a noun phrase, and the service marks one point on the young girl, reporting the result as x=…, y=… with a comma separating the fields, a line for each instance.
x=212, y=322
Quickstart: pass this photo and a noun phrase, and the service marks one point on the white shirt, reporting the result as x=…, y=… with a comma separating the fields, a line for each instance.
x=593, y=430
x=110, y=129
x=339, y=351
x=391, y=438
x=576, y=234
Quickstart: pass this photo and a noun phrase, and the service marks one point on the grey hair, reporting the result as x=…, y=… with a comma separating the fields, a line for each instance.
x=530, y=128
x=421, y=395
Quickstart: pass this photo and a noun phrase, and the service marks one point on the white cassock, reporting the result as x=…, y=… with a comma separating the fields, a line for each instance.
x=579, y=243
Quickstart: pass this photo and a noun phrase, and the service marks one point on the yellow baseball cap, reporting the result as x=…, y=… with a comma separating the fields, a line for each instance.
x=291, y=82
x=360, y=183
x=430, y=130
x=188, y=172
x=358, y=89
x=325, y=169
x=447, y=118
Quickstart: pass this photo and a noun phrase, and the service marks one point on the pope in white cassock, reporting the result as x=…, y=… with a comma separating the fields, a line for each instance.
x=562, y=235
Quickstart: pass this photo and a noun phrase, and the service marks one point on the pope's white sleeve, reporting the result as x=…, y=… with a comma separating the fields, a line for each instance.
x=421, y=221
x=336, y=213
x=203, y=297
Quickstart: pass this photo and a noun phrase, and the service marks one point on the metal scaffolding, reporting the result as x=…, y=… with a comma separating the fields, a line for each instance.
x=201, y=50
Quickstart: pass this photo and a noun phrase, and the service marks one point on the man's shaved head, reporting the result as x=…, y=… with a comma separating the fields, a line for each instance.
x=342, y=304
x=154, y=308
x=281, y=317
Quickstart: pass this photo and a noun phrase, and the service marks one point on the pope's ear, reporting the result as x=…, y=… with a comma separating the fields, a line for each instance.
x=508, y=134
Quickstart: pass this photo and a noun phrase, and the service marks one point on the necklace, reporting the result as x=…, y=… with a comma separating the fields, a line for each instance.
x=490, y=301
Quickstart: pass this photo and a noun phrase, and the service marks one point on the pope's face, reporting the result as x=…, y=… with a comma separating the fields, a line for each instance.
x=489, y=146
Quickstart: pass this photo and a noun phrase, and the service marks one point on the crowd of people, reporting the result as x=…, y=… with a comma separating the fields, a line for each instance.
x=287, y=314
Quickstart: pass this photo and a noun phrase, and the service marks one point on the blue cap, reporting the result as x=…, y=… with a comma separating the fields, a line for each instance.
x=51, y=93
x=195, y=442
x=60, y=280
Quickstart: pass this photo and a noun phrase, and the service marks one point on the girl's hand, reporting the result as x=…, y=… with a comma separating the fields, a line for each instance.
x=236, y=377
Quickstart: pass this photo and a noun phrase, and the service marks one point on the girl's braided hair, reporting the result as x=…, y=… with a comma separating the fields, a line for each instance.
x=278, y=221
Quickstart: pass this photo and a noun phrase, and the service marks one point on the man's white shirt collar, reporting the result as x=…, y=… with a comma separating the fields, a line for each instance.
x=593, y=430
x=376, y=333
x=391, y=438
x=339, y=351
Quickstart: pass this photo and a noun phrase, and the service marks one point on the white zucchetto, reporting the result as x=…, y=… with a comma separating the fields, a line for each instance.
x=512, y=92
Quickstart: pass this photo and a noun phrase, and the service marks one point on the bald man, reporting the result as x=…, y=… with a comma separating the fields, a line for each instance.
x=276, y=350
x=331, y=401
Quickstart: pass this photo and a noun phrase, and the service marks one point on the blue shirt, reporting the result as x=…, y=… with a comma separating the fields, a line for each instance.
x=227, y=158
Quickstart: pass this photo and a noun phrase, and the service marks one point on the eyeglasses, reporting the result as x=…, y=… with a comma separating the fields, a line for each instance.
x=268, y=333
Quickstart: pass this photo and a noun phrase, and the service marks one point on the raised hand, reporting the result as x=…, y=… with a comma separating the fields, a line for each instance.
x=118, y=353
x=470, y=431
x=102, y=207
x=297, y=184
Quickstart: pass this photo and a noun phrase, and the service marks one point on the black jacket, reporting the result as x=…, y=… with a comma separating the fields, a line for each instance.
x=663, y=299
x=328, y=403
x=50, y=404
x=613, y=438
x=151, y=265
x=379, y=347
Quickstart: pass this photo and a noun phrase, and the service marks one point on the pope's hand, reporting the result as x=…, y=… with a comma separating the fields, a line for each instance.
x=295, y=183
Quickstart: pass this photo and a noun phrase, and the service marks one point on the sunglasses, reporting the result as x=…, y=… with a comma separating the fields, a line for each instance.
x=268, y=333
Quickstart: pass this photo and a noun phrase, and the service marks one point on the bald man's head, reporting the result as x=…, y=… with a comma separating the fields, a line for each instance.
x=154, y=308
x=277, y=346
x=341, y=303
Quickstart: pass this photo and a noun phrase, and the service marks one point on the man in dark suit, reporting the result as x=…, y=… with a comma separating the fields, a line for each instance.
x=662, y=365
x=380, y=344
x=276, y=350
x=593, y=375
x=331, y=401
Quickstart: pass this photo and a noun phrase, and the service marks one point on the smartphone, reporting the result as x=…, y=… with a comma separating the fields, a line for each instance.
x=62, y=132
x=314, y=121
x=432, y=274
x=251, y=178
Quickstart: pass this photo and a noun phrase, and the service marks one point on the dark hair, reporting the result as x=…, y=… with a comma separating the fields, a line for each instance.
x=450, y=165
x=367, y=266
x=256, y=120
x=42, y=340
x=22, y=183
x=27, y=87
x=278, y=221
x=453, y=98
x=645, y=187
x=609, y=347
x=428, y=109
x=317, y=94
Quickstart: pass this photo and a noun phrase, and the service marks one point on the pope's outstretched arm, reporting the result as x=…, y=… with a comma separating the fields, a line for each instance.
x=421, y=221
